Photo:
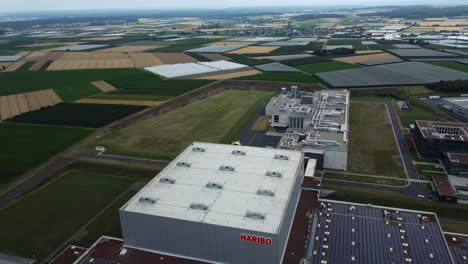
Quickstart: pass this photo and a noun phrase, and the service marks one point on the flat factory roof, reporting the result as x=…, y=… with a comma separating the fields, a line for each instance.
x=443, y=186
x=221, y=186
x=457, y=157
x=443, y=130
x=460, y=101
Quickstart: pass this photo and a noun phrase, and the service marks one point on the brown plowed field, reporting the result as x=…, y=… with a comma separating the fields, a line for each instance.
x=121, y=102
x=174, y=57
x=92, y=60
x=16, y=104
x=145, y=59
x=56, y=55
x=128, y=49
x=90, y=64
x=15, y=66
x=103, y=86
x=224, y=76
x=364, y=58
x=254, y=50
x=368, y=51
x=35, y=55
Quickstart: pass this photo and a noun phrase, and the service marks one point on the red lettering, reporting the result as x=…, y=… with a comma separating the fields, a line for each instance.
x=256, y=239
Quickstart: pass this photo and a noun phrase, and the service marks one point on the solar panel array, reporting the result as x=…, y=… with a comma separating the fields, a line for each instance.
x=458, y=247
x=345, y=233
x=89, y=260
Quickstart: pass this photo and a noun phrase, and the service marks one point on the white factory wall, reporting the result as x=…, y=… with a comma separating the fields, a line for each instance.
x=337, y=160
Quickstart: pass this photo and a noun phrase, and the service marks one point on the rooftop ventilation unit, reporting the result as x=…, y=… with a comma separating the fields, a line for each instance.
x=265, y=192
x=146, y=199
x=425, y=218
x=255, y=215
x=214, y=185
x=167, y=180
x=198, y=149
x=183, y=164
x=238, y=152
x=352, y=209
x=281, y=157
x=199, y=206
x=273, y=174
x=226, y=168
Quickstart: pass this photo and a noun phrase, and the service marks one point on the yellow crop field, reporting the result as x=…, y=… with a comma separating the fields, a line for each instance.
x=254, y=50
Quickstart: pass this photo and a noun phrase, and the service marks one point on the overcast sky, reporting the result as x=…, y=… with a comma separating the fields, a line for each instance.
x=42, y=5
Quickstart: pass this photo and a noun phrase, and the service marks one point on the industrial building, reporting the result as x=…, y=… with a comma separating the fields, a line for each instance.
x=456, y=163
x=236, y=204
x=215, y=201
x=456, y=105
x=316, y=123
x=434, y=138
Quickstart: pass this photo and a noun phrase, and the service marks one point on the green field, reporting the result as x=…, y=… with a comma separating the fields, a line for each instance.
x=107, y=224
x=451, y=65
x=281, y=76
x=219, y=118
x=81, y=115
x=69, y=85
x=243, y=59
x=327, y=67
x=141, y=81
x=34, y=226
x=26, y=146
x=186, y=44
x=365, y=179
x=313, y=46
x=421, y=111
x=393, y=199
x=304, y=61
x=372, y=145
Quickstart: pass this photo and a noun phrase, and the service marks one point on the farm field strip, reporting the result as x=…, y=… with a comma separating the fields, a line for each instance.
x=14, y=66
x=174, y=57
x=102, y=38
x=145, y=59
x=119, y=102
x=128, y=49
x=215, y=56
x=91, y=64
x=16, y=104
x=366, y=58
x=224, y=76
x=254, y=50
x=50, y=56
x=104, y=86
x=78, y=114
x=231, y=43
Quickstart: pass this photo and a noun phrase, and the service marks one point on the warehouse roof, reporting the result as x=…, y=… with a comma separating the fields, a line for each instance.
x=458, y=244
x=457, y=157
x=460, y=101
x=236, y=186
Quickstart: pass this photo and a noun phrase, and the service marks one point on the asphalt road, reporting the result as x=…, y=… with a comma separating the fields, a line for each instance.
x=29, y=185
x=413, y=189
x=249, y=137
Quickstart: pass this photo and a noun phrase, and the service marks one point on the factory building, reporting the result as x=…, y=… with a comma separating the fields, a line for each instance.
x=316, y=123
x=456, y=105
x=218, y=203
x=456, y=164
x=434, y=138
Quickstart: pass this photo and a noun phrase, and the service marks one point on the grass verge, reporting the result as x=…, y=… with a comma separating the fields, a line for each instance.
x=365, y=179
